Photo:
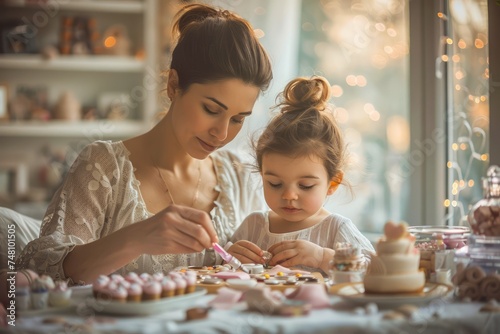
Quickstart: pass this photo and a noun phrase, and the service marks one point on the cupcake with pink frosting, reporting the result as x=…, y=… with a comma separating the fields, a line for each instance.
x=125, y=284
x=180, y=286
x=117, y=292
x=145, y=277
x=117, y=278
x=167, y=287
x=190, y=283
x=151, y=291
x=158, y=277
x=132, y=277
x=99, y=287
x=134, y=292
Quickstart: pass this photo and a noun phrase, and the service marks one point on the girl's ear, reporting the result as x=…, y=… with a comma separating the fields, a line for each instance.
x=335, y=182
x=172, y=83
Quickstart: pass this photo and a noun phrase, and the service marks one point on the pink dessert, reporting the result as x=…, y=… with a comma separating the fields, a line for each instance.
x=134, y=292
x=174, y=275
x=145, y=277
x=167, y=287
x=180, y=286
x=158, y=277
x=118, y=293
x=132, y=277
x=117, y=278
x=99, y=286
x=124, y=284
x=151, y=291
x=190, y=283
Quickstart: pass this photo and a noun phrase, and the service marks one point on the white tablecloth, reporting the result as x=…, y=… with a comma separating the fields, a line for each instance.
x=444, y=315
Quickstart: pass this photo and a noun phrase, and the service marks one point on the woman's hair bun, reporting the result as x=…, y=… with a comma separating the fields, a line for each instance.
x=302, y=94
x=196, y=13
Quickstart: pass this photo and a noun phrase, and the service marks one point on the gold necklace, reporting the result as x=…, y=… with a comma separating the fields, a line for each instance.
x=167, y=189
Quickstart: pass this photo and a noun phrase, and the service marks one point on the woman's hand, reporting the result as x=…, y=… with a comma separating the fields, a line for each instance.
x=247, y=252
x=178, y=229
x=300, y=252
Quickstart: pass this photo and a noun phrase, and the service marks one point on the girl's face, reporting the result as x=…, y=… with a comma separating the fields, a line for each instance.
x=295, y=188
x=206, y=117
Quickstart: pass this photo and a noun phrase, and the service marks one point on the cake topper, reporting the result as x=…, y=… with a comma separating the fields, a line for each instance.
x=395, y=231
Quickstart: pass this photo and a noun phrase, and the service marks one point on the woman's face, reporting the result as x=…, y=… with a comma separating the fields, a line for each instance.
x=294, y=188
x=206, y=117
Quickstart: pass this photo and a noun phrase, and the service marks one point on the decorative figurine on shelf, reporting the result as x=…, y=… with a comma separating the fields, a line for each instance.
x=68, y=107
x=49, y=52
x=78, y=35
x=116, y=41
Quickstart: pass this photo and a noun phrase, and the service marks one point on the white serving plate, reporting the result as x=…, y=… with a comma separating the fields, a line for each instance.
x=46, y=311
x=148, y=307
x=355, y=293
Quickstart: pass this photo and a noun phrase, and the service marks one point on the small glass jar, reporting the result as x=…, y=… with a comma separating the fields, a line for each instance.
x=478, y=269
x=484, y=217
x=348, y=265
x=478, y=264
x=437, y=246
x=481, y=251
x=440, y=237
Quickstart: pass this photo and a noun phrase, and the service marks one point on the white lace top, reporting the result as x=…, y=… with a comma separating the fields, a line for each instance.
x=334, y=228
x=101, y=195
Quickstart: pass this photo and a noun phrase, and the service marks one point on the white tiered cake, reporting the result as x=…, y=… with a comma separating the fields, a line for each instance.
x=395, y=267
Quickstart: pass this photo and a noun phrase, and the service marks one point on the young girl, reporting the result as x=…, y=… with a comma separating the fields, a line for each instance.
x=300, y=156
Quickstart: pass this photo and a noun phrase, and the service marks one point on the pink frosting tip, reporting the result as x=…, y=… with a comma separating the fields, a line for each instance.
x=134, y=289
x=168, y=284
x=152, y=288
x=180, y=283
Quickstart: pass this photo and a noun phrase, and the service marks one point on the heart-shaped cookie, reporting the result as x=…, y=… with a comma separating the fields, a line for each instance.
x=395, y=231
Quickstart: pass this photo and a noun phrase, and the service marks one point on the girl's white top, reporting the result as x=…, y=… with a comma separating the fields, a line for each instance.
x=326, y=233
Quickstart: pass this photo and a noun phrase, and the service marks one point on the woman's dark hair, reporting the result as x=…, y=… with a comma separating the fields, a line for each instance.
x=305, y=126
x=216, y=44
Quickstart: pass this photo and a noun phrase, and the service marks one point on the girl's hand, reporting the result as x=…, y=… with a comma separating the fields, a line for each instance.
x=297, y=252
x=178, y=229
x=246, y=252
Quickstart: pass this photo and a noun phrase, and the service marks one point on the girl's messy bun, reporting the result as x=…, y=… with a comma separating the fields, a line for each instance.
x=303, y=94
x=305, y=126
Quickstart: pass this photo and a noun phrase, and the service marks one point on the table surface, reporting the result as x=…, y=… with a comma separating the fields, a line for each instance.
x=443, y=315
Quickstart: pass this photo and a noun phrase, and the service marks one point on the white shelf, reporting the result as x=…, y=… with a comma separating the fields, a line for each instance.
x=91, y=129
x=72, y=63
x=83, y=5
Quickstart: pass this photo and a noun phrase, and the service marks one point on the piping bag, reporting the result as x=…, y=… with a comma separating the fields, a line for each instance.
x=231, y=260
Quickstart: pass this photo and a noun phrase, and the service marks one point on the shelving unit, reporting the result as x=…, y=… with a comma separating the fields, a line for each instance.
x=106, y=73
x=86, y=76
x=72, y=63
x=64, y=129
x=86, y=5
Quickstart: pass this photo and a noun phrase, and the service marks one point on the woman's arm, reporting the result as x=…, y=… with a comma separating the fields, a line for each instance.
x=175, y=230
x=93, y=225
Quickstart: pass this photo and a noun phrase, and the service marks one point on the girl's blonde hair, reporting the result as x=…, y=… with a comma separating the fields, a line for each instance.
x=305, y=126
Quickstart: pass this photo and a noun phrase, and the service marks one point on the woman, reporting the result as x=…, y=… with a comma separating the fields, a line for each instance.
x=159, y=200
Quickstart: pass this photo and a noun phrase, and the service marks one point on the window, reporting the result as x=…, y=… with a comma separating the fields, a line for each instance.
x=465, y=58
x=418, y=135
